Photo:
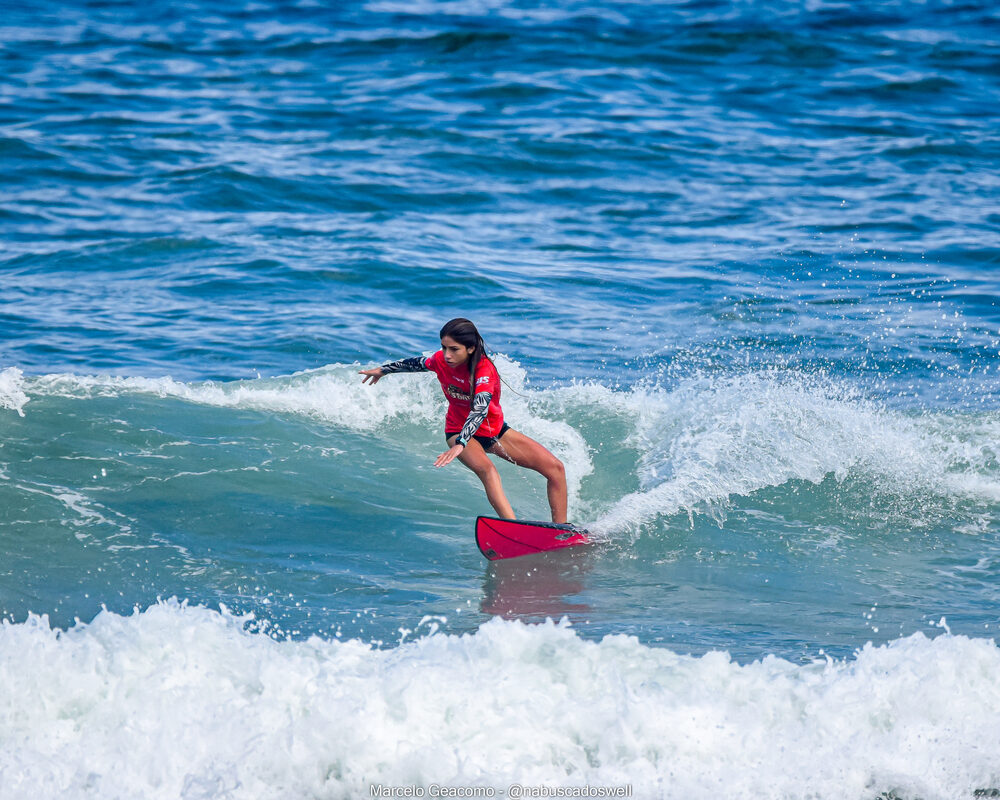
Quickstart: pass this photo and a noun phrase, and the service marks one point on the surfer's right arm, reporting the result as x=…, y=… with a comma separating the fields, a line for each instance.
x=415, y=364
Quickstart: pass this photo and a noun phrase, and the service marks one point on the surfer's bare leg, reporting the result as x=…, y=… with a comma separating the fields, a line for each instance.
x=475, y=458
x=526, y=452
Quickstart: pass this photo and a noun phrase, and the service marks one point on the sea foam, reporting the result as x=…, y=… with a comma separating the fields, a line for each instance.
x=706, y=441
x=179, y=701
x=331, y=394
x=12, y=393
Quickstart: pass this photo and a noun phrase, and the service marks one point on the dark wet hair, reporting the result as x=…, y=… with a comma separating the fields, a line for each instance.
x=466, y=334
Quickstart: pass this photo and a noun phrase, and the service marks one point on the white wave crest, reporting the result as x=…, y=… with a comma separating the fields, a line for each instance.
x=181, y=702
x=710, y=440
x=12, y=393
x=331, y=394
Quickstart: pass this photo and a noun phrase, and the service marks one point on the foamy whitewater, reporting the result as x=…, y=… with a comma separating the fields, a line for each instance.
x=737, y=265
x=181, y=702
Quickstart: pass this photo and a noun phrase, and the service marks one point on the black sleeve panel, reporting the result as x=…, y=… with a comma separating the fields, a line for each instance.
x=415, y=364
x=480, y=405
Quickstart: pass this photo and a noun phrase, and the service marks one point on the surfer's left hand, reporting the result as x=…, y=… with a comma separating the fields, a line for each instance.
x=448, y=456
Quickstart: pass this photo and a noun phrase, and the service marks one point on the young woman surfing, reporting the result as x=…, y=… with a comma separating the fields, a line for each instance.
x=474, y=425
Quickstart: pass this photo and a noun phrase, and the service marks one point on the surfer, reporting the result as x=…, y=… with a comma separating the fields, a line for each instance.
x=474, y=425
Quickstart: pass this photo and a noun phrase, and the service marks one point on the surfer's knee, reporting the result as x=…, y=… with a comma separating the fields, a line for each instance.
x=554, y=469
x=485, y=471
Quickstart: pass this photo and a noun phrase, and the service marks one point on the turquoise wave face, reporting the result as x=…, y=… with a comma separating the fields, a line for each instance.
x=759, y=513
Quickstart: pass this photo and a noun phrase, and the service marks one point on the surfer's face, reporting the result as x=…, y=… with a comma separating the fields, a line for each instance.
x=455, y=354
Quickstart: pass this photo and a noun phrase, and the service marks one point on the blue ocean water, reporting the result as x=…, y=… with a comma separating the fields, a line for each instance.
x=739, y=262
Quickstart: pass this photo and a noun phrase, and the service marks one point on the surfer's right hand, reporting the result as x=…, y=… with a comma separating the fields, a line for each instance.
x=372, y=375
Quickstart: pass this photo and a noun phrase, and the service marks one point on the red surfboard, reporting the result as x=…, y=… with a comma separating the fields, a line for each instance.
x=509, y=538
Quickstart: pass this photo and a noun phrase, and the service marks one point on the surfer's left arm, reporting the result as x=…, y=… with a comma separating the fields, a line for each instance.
x=477, y=415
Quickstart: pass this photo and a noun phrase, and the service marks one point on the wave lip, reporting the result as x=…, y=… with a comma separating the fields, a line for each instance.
x=179, y=701
x=330, y=394
x=12, y=394
x=712, y=439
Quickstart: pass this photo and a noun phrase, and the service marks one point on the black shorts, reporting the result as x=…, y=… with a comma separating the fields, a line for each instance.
x=486, y=441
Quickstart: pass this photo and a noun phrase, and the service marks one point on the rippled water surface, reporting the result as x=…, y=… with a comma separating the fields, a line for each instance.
x=739, y=264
